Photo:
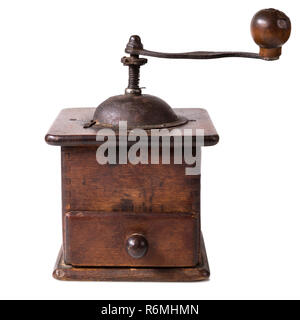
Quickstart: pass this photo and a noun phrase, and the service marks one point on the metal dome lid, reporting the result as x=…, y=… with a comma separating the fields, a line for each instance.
x=139, y=110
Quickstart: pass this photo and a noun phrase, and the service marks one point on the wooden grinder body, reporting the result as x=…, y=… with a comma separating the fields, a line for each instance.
x=105, y=205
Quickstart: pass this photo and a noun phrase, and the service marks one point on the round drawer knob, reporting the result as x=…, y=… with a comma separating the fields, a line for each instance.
x=136, y=246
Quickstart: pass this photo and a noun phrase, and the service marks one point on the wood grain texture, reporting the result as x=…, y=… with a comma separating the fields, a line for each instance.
x=99, y=239
x=89, y=186
x=62, y=271
x=67, y=129
x=104, y=204
x=133, y=197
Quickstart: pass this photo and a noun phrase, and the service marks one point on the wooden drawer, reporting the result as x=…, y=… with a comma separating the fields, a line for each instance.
x=101, y=239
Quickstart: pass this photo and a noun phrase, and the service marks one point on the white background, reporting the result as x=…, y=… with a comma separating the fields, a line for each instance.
x=57, y=54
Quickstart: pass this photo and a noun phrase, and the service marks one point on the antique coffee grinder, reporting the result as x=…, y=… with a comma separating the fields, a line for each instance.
x=127, y=221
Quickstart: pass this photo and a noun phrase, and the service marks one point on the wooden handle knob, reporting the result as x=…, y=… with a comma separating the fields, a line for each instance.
x=136, y=246
x=270, y=29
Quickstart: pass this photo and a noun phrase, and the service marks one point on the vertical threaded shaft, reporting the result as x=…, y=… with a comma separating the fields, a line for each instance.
x=133, y=62
x=134, y=77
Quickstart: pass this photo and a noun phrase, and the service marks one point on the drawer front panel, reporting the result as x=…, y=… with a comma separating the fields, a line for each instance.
x=102, y=239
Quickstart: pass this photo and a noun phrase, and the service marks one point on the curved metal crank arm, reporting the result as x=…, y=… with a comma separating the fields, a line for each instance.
x=193, y=55
x=270, y=29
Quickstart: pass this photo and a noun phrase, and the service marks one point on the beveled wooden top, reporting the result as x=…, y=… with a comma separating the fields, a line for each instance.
x=68, y=130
